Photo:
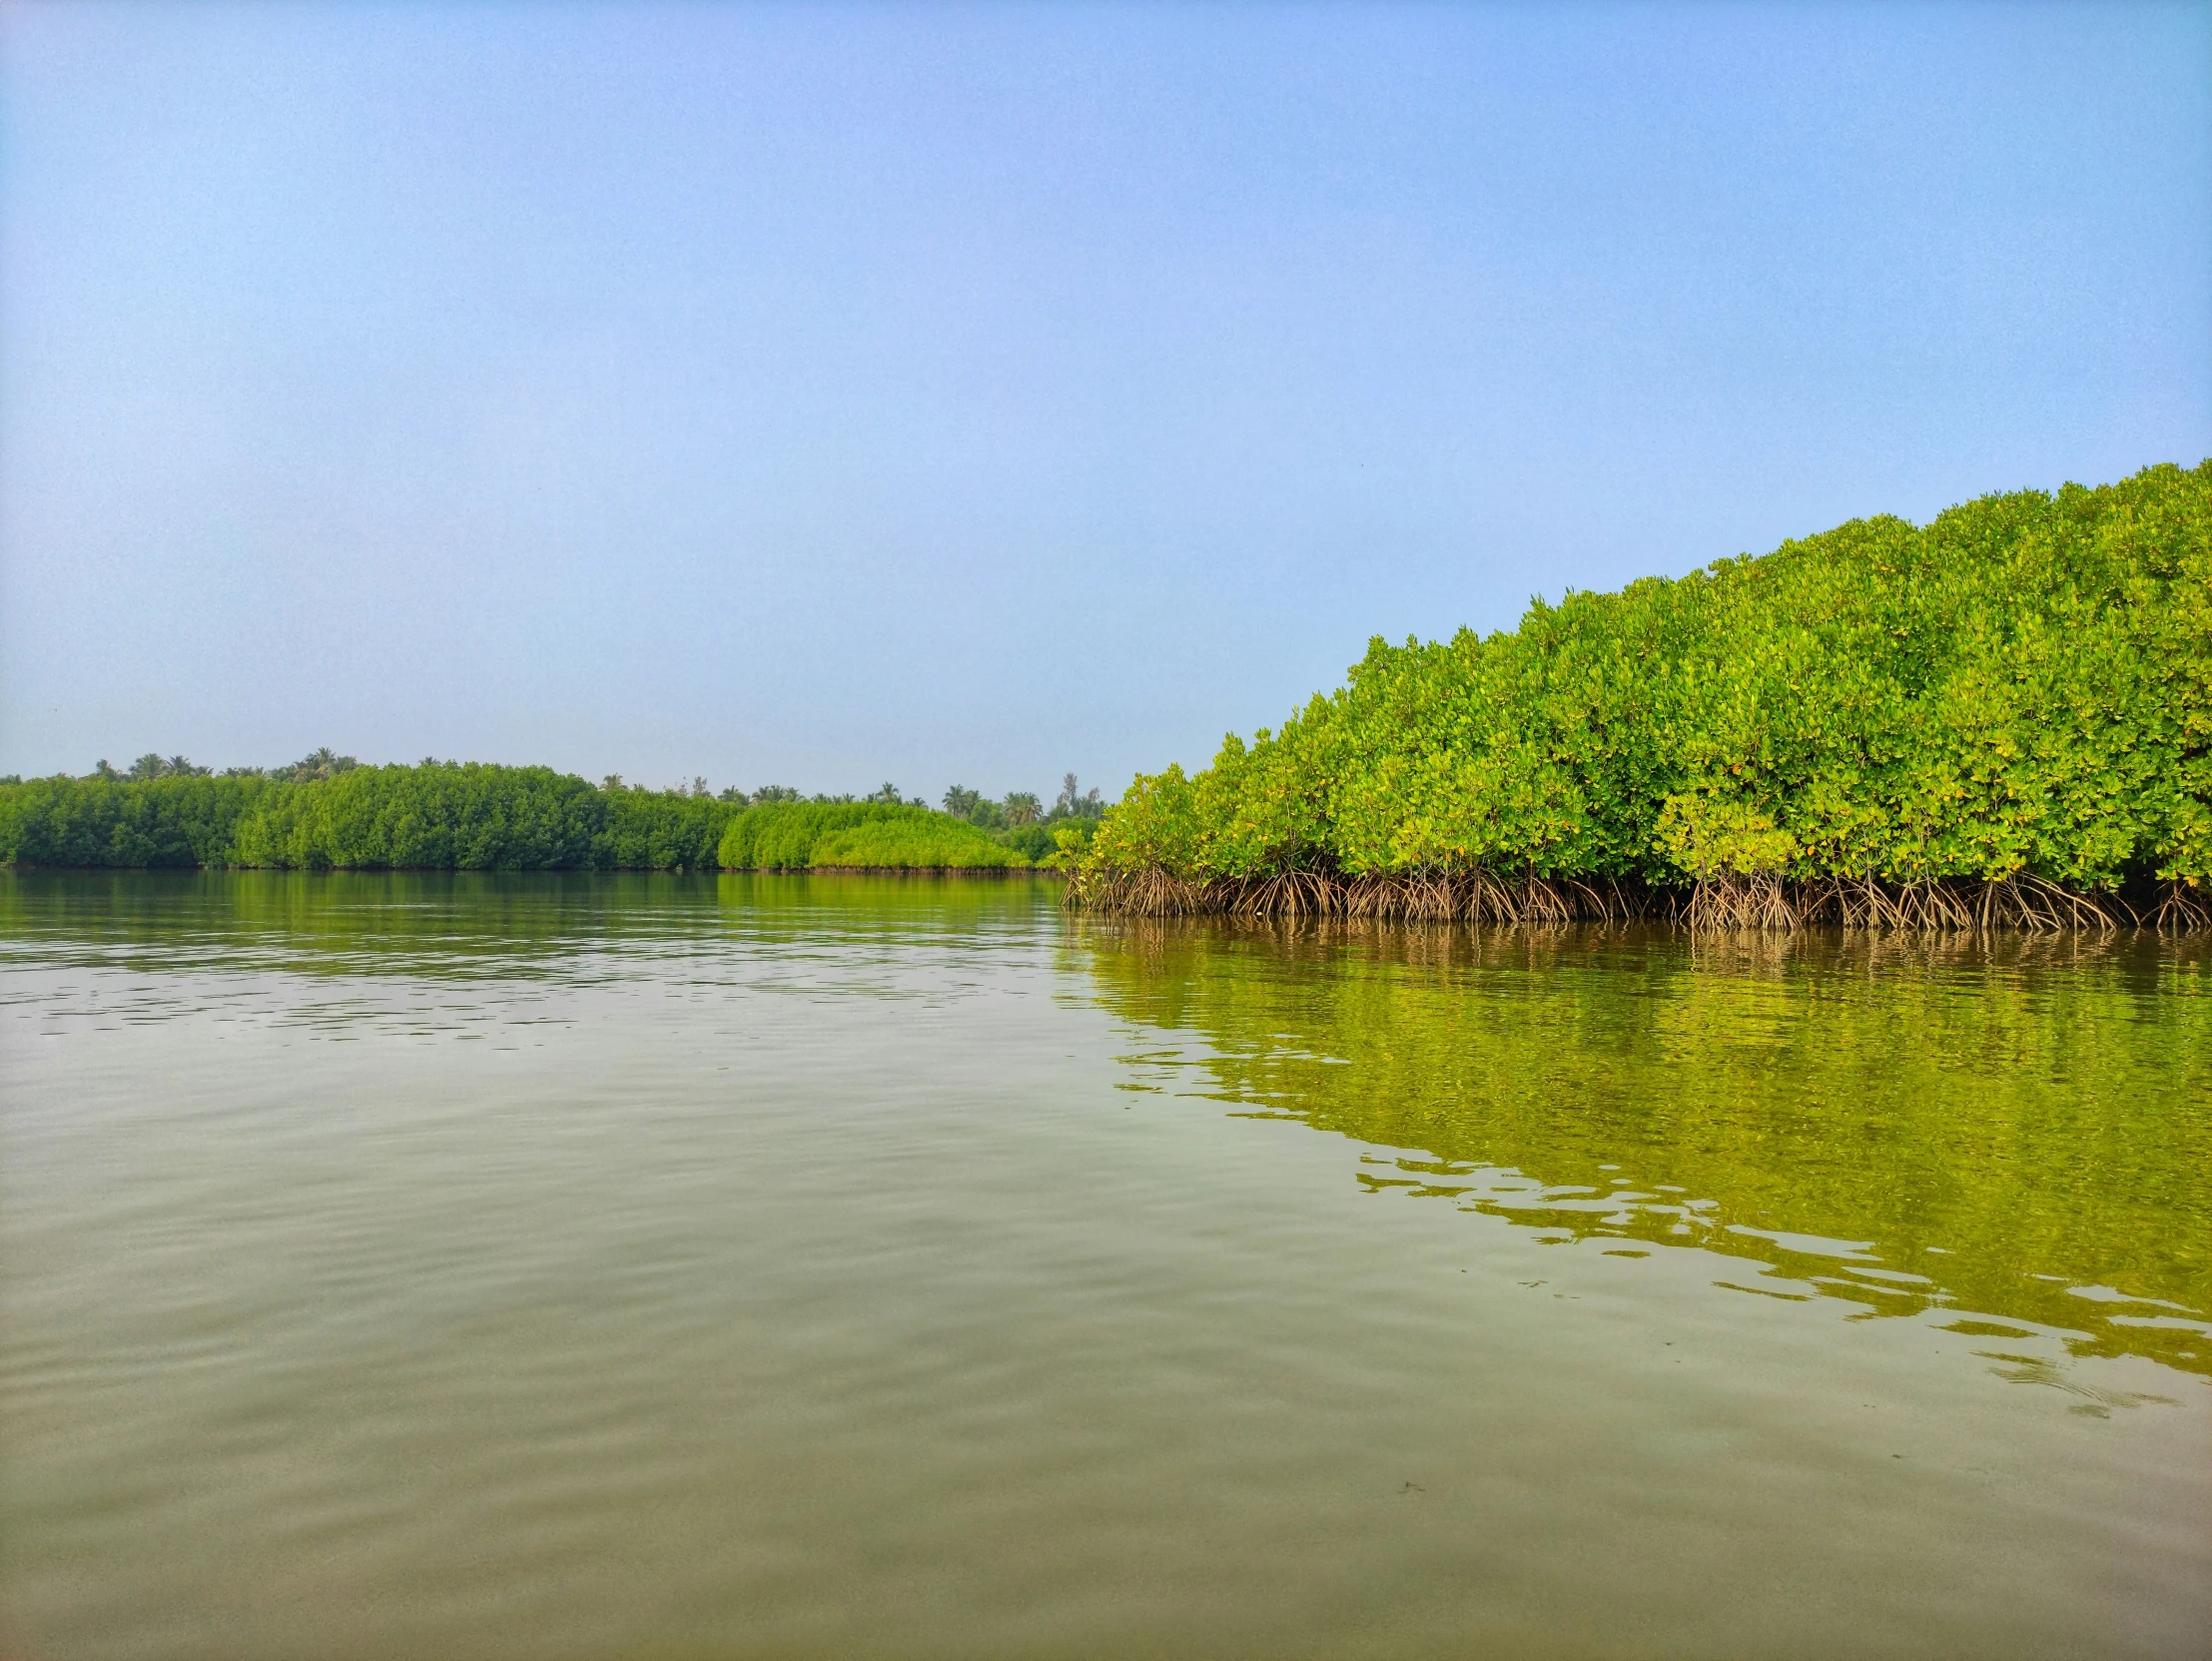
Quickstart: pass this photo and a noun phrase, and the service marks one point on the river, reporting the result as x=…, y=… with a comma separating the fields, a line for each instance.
x=409, y=1265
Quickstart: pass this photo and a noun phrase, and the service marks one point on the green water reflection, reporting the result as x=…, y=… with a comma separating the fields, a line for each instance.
x=592, y=1265
x=444, y=924
x=2018, y=1133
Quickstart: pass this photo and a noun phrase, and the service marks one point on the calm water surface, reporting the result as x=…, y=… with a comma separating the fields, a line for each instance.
x=532, y=1266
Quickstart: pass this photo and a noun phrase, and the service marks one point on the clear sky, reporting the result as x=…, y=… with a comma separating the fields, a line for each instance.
x=824, y=395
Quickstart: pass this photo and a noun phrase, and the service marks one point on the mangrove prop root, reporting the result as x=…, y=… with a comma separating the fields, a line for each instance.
x=2184, y=909
x=1728, y=902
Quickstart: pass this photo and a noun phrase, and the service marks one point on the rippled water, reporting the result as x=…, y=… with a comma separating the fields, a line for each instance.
x=421, y=1266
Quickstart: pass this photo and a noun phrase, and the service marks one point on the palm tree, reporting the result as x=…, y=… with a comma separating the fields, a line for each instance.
x=322, y=764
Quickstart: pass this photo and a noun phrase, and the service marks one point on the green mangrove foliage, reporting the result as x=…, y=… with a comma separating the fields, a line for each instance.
x=2003, y=716
x=108, y=821
x=461, y=817
x=794, y=836
x=332, y=813
x=1057, y=837
x=925, y=841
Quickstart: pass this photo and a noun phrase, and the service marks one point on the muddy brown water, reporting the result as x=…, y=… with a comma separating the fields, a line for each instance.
x=665, y=1266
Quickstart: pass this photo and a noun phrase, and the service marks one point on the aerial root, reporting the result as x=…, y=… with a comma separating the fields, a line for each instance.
x=1740, y=900
x=2184, y=908
x=1465, y=896
x=1147, y=890
x=2022, y=901
x=1731, y=902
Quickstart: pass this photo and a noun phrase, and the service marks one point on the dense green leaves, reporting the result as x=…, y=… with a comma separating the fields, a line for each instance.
x=793, y=836
x=2024, y=686
x=438, y=816
x=917, y=840
x=456, y=816
x=170, y=820
x=661, y=830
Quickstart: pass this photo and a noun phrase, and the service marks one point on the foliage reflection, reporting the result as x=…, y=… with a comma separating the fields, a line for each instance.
x=2019, y=1132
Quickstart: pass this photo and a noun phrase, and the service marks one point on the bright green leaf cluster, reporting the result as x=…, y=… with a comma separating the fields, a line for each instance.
x=915, y=840
x=2023, y=685
x=167, y=821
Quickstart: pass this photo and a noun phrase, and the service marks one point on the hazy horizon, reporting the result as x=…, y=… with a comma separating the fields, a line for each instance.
x=823, y=395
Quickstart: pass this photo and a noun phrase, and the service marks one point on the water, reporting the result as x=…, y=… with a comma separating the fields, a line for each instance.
x=537, y=1266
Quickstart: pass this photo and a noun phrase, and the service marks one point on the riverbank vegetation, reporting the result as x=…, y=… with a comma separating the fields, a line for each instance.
x=2003, y=717
x=916, y=839
x=329, y=812
x=1056, y=836
x=876, y=835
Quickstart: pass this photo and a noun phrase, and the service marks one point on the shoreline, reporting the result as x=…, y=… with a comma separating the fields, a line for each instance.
x=18, y=867
x=2024, y=903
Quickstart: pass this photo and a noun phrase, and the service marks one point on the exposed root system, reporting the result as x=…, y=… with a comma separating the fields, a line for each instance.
x=2022, y=901
x=2182, y=910
x=1734, y=902
x=1727, y=904
x=1418, y=897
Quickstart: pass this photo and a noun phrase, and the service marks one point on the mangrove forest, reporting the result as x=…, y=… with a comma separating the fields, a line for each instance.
x=329, y=812
x=2003, y=717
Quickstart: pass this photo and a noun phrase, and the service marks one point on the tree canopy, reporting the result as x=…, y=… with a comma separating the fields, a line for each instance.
x=2018, y=692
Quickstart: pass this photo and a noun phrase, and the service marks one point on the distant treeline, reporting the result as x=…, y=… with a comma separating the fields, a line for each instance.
x=1054, y=835
x=2003, y=716
x=329, y=812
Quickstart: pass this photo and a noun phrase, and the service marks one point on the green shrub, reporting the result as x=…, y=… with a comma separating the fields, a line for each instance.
x=1034, y=842
x=661, y=830
x=94, y=821
x=435, y=816
x=456, y=816
x=780, y=836
x=444, y=816
x=2023, y=685
x=793, y=836
x=936, y=841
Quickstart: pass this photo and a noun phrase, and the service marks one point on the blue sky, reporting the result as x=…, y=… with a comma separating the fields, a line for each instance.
x=940, y=393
